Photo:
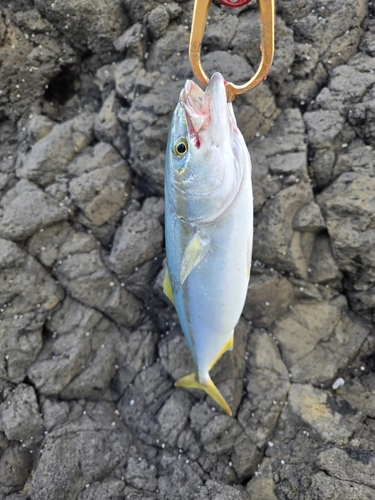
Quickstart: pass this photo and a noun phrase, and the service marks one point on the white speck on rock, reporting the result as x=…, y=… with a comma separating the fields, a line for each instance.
x=338, y=383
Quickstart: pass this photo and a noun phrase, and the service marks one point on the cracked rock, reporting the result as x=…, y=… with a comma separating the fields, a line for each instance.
x=100, y=192
x=88, y=24
x=268, y=298
x=24, y=77
x=134, y=351
x=15, y=464
x=328, y=488
x=267, y=385
x=323, y=266
x=354, y=256
x=80, y=359
x=82, y=272
x=20, y=415
x=90, y=346
x=28, y=295
x=149, y=120
x=332, y=417
x=141, y=475
x=72, y=444
x=158, y=21
x=353, y=465
x=318, y=334
x=27, y=209
x=108, y=127
x=110, y=488
x=289, y=249
x=262, y=483
x=308, y=219
x=215, y=490
x=133, y=41
x=330, y=39
x=54, y=413
x=139, y=239
x=51, y=155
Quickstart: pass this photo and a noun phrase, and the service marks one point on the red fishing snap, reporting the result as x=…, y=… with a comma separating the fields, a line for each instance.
x=234, y=3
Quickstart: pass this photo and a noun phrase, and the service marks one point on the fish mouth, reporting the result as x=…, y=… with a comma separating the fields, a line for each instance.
x=202, y=108
x=192, y=100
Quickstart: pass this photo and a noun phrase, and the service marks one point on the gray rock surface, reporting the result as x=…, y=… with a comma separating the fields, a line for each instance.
x=269, y=297
x=50, y=155
x=89, y=345
x=86, y=439
x=28, y=295
x=323, y=329
x=20, y=415
x=92, y=26
x=100, y=188
x=26, y=209
x=139, y=239
x=276, y=242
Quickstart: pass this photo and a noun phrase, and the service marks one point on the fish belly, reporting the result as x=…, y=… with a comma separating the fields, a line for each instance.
x=210, y=301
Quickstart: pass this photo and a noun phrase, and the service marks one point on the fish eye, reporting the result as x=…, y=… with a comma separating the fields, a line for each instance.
x=180, y=147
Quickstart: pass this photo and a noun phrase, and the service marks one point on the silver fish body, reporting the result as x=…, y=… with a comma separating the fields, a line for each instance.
x=208, y=225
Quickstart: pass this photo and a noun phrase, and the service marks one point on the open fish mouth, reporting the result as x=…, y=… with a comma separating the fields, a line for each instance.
x=200, y=106
x=192, y=100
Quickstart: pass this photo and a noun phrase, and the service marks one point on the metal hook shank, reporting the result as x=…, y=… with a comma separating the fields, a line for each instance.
x=267, y=22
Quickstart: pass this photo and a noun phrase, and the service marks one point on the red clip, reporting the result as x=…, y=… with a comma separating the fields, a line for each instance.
x=234, y=3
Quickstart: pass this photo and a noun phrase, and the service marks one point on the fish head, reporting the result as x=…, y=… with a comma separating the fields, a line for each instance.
x=200, y=157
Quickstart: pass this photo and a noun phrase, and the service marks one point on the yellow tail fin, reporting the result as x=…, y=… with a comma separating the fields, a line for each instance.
x=210, y=388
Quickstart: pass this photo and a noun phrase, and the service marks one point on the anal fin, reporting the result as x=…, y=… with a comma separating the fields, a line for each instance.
x=227, y=347
x=191, y=382
x=167, y=286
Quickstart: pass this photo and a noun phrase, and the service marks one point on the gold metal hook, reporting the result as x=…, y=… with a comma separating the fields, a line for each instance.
x=267, y=22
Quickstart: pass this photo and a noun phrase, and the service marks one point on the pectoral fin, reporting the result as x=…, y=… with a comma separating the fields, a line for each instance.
x=190, y=382
x=167, y=286
x=195, y=251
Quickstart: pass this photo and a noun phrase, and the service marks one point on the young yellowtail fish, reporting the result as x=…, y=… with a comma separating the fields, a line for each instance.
x=208, y=226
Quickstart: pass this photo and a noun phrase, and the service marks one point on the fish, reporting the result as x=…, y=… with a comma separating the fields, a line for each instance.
x=208, y=226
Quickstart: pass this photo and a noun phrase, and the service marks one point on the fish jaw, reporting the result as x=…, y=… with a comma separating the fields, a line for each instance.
x=204, y=111
x=191, y=99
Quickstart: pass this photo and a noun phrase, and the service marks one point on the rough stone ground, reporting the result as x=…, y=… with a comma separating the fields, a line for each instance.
x=90, y=347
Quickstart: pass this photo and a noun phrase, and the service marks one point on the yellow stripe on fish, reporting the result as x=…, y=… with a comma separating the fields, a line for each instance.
x=167, y=286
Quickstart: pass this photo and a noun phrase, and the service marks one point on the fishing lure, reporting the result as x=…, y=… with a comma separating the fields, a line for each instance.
x=209, y=207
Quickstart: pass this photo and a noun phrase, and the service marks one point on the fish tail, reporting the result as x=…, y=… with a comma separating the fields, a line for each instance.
x=191, y=382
